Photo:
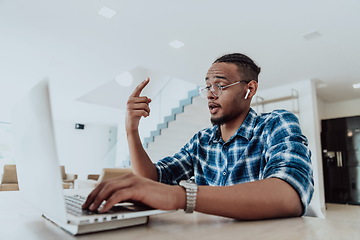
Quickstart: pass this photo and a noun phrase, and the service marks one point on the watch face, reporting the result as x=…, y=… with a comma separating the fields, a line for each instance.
x=189, y=185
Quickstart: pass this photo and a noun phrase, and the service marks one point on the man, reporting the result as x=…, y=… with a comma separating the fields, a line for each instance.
x=247, y=166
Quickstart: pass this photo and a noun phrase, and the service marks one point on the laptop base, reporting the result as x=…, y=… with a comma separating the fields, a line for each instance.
x=99, y=226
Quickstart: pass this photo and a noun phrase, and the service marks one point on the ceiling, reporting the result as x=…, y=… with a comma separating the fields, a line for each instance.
x=82, y=52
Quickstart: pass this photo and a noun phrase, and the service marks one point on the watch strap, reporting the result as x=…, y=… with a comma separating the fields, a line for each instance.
x=191, y=189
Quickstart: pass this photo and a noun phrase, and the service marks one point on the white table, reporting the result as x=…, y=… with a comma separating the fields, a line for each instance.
x=19, y=221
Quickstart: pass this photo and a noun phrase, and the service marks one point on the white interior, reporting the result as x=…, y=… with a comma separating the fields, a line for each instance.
x=311, y=46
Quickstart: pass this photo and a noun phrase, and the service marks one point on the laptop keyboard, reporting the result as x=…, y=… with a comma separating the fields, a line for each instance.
x=74, y=203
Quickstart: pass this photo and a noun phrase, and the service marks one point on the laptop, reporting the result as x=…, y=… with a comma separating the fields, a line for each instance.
x=39, y=173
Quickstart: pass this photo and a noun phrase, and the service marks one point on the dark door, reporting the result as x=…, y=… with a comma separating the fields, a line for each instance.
x=340, y=139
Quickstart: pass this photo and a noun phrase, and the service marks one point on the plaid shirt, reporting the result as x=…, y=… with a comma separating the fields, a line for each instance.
x=268, y=145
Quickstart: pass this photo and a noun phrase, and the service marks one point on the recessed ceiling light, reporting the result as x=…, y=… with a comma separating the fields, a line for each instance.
x=124, y=79
x=356, y=85
x=107, y=12
x=176, y=44
x=312, y=35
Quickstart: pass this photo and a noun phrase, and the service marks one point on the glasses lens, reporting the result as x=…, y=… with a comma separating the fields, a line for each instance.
x=216, y=90
x=203, y=92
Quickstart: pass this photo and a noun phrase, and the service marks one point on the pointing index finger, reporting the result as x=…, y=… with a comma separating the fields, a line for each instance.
x=140, y=87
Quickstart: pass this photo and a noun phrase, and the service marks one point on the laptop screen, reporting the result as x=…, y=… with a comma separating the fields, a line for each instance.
x=35, y=152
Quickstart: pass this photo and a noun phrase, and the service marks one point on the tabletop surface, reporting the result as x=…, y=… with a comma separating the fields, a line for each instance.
x=18, y=220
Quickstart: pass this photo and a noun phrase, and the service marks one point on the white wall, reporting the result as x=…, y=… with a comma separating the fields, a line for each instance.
x=310, y=125
x=339, y=109
x=82, y=151
x=6, y=146
x=122, y=150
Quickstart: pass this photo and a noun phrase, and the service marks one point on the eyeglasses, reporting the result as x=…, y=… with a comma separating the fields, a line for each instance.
x=216, y=89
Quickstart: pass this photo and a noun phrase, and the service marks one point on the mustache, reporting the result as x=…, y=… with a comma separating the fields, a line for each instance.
x=212, y=105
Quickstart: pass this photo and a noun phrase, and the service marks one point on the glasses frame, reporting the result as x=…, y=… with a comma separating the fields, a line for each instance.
x=212, y=90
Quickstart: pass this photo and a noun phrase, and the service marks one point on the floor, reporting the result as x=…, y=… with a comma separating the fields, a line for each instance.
x=343, y=212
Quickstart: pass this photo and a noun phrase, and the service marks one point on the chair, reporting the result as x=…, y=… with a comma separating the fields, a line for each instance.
x=9, y=181
x=67, y=178
x=95, y=179
x=108, y=173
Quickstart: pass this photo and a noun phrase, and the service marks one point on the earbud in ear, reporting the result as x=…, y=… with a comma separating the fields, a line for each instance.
x=247, y=94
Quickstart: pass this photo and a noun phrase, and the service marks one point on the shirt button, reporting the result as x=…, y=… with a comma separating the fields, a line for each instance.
x=224, y=173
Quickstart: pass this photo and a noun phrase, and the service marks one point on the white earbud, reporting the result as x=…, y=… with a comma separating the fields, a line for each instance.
x=247, y=94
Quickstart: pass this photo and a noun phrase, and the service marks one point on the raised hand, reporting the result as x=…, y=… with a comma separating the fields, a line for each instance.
x=137, y=107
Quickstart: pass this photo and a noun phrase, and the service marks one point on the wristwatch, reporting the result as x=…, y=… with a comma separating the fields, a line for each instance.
x=191, y=190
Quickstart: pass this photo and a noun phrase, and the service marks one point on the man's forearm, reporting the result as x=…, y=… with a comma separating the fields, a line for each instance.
x=268, y=198
x=140, y=161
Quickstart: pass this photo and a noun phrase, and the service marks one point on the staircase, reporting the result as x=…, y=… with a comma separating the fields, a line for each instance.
x=170, y=136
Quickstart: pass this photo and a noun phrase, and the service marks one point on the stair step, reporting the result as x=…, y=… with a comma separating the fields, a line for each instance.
x=198, y=104
x=199, y=101
x=161, y=149
x=175, y=133
x=197, y=120
x=190, y=117
x=157, y=153
x=172, y=137
x=186, y=126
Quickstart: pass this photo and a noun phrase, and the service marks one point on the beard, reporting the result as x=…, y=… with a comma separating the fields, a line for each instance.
x=223, y=119
x=231, y=114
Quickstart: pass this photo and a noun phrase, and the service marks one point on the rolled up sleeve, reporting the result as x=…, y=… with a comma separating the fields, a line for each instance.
x=289, y=158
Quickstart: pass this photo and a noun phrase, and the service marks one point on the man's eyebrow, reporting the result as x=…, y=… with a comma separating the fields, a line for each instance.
x=218, y=77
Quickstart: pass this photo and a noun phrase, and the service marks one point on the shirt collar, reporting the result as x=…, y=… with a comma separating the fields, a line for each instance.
x=245, y=130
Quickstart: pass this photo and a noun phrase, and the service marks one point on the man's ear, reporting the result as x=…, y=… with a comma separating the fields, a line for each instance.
x=252, y=86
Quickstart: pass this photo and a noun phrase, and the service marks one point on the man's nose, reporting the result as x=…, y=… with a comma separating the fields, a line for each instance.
x=211, y=95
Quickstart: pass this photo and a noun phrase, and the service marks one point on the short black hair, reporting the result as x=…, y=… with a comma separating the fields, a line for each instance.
x=246, y=66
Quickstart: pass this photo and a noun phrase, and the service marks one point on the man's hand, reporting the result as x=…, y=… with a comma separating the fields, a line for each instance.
x=135, y=188
x=137, y=107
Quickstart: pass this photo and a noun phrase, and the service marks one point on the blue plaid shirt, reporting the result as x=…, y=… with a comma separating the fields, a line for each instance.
x=269, y=145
